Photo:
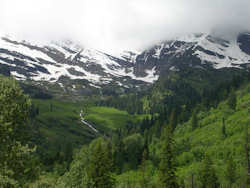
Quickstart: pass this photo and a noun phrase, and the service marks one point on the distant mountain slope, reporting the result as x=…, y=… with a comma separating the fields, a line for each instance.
x=51, y=61
x=56, y=61
x=195, y=50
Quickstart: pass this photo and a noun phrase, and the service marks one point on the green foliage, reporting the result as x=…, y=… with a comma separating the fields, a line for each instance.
x=138, y=154
x=173, y=121
x=101, y=164
x=44, y=181
x=223, y=129
x=194, y=120
x=17, y=165
x=14, y=109
x=58, y=120
x=109, y=118
x=231, y=171
x=77, y=175
x=63, y=122
x=167, y=164
x=189, y=156
x=143, y=168
x=52, y=127
x=118, y=153
x=133, y=147
x=207, y=174
x=247, y=151
x=146, y=105
x=232, y=101
x=5, y=178
x=91, y=167
x=208, y=138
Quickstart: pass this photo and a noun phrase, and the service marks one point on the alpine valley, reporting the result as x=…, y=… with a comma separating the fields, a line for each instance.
x=175, y=114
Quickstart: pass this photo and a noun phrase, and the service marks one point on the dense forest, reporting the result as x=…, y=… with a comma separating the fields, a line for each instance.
x=177, y=134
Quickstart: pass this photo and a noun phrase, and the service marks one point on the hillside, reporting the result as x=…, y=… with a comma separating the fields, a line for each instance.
x=223, y=141
x=56, y=124
x=208, y=138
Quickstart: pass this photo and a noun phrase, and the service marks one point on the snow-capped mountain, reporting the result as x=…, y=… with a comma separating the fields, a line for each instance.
x=52, y=61
x=198, y=51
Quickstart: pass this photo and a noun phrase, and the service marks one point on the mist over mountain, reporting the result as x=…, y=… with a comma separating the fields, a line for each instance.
x=116, y=25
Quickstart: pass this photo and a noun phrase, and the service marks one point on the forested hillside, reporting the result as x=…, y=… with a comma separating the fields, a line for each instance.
x=210, y=150
x=208, y=146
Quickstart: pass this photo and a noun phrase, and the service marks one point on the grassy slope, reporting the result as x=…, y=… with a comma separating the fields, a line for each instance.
x=209, y=138
x=110, y=117
x=63, y=122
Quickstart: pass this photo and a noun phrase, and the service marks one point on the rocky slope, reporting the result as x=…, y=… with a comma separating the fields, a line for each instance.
x=196, y=50
x=56, y=62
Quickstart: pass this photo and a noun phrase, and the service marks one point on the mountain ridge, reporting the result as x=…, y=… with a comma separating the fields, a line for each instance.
x=130, y=70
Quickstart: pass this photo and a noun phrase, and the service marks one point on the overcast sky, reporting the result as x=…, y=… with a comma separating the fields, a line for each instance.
x=114, y=25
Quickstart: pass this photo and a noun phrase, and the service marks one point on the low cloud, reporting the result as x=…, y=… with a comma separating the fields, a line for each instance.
x=115, y=25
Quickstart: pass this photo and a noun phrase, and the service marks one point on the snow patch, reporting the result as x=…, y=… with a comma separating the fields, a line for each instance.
x=17, y=75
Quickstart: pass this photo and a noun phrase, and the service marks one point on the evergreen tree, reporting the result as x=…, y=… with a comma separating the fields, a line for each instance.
x=14, y=112
x=232, y=101
x=16, y=162
x=208, y=177
x=133, y=147
x=143, y=169
x=146, y=145
x=223, y=129
x=192, y=180
x=51, y=107
x=68, y=152
x=231, y=171
x=194, y=120
x=182, y=184
x=118, y=155
x=167, y=165
x=247, y=150
x=101, y=165
x=173, y=119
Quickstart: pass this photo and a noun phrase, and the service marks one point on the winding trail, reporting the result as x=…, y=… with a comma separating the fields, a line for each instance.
x=86, y=123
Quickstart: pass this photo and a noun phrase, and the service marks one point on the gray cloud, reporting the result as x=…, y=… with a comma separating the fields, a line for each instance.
x=114, y=25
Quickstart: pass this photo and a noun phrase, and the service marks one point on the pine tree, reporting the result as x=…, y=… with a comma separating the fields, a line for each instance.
x=223, y=129
x=68, y=152
x=232, y=101
x=146, y=145
x=192, y=180
x=194, y=120
x=118, y=155
x=182, y=184
x=15, y=159
x=143, y=168
x=133, y=147
x=101, y=165
x=14, y=112
x=167, y=166
x=208, y=177
x=231, y=171
x=247, y=152
x=173, y=119
x=51, y=107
